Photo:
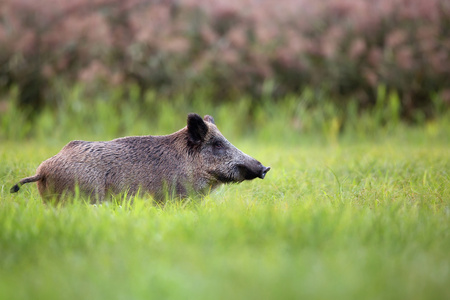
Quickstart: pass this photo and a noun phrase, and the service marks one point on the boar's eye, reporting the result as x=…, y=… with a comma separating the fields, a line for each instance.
x=218, y=145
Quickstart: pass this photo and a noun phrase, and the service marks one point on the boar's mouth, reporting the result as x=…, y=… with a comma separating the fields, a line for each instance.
x=225, y=178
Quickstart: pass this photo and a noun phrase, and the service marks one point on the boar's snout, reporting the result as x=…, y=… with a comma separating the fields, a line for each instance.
x=253, y=170
x=264, y=172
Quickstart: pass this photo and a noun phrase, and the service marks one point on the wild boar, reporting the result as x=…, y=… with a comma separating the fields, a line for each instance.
x=194, y=160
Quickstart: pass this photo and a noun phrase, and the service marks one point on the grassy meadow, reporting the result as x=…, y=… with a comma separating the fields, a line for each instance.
x=347, y=212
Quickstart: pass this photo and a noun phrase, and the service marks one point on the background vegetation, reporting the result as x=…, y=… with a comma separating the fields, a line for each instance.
x=229, y=48
x=347, y=101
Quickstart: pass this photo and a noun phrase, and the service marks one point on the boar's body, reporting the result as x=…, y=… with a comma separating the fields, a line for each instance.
x=128, y=165
x=194, y=159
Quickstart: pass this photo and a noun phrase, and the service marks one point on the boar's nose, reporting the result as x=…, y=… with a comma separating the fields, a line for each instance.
x=264, y=172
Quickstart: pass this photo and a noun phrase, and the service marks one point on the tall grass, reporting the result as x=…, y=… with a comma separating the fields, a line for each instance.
x=366, y=221
x=355, y=207
x=86, y=114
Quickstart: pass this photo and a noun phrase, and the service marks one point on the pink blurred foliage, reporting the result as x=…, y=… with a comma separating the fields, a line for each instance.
x=234, y=43
x=357, y=48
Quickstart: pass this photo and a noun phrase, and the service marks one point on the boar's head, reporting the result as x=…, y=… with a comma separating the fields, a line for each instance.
x=217, y=160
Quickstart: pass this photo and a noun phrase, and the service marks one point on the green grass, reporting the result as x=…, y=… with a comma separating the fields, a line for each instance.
x=366, y=219
x=356, y=206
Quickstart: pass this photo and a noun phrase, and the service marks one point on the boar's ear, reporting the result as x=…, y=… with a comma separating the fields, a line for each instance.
x=209, y=119
x=197, y=129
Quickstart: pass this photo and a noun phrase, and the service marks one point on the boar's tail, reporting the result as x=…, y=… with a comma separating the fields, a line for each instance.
x=34, y=178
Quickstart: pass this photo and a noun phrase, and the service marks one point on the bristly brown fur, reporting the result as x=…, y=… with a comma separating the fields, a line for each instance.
x=187, y=161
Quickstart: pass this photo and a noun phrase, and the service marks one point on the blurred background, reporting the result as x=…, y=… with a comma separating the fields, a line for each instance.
x=115, y=67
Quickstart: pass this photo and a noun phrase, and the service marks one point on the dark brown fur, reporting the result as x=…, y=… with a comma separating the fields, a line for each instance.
x=194, y=159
